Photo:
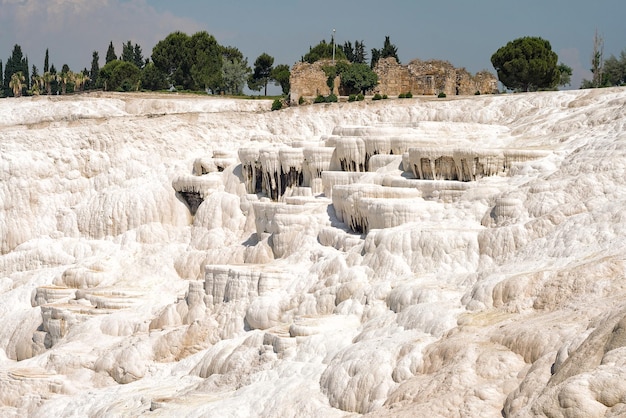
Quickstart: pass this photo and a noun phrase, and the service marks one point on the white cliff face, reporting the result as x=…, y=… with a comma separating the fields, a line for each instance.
x=197, y=256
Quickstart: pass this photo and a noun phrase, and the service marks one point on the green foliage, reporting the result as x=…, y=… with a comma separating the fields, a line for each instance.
x=358, y=78
x=385, y=97
x=377, y=97
x=110, y=54
x=16, y=63
x=205, y=59
x=331, y=73
x=565, y=74
x=300, y=100
x=356, y=54
x=407, y=95
x=477, y=93
x=352, y=98
x=360, y=97
x=277, y=104
x=263, y=66
x=152, y=78
x=280, y=74
x=614, y=70
x=441, y=95
x=323, y=50
x=120, y=76
x=95, y=70
x=331, y=98
x=388, y=50
x=527, y=64
x=235, y=72
x=128, y=54
x=195, y=62
x=46, y=62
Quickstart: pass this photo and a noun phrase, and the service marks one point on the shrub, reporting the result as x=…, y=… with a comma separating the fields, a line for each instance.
x=319, y=99
x=352, y=97
x=441, y=95
x=401, y=96
x=277, y=104
x=377, y=97
x=300, y=100
x=477, y=93
x=360, y=97
x=331, y=98
x=385, y=97
x=408, y=95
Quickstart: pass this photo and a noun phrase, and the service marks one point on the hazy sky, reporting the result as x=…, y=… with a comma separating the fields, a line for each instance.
x=464, y=32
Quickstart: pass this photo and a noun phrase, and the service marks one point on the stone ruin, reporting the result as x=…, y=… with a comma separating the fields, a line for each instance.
x=431, y=78
x=418, y=77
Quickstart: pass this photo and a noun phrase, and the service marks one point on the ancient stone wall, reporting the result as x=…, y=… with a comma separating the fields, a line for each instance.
x=418, y=77
x=430, y=78
x=309, y=80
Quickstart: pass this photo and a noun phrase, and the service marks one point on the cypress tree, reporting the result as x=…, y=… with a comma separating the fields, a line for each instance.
x=46, y=66
x=95, y=69
x=110, y=54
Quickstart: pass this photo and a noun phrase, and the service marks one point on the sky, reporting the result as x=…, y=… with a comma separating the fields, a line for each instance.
x=464, y=32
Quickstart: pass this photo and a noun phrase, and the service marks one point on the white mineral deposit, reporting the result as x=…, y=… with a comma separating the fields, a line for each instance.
x=165, y=255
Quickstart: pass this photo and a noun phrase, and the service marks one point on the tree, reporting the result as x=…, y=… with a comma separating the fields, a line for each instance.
x=65, y=78
x=565, y=75
x=234, y=75
x=17, y=83
x=280, y=74
x=95, y=68
x=46, y=62
x=348, y=51
x=138, y=59
x=527, y=64
x=110, y=54
x=596, y=60
x=614, y=70
x=388, y=50
x=120, y=76
x=171, y=57
x=375, y=57
x=321, y=51
x=152, y=78
x=128, y=53
x=16, y=63
x=358, y=78
x=360, y=56
x=48, y=78
x=206, y=62
x=80, y=79
x=261, y=73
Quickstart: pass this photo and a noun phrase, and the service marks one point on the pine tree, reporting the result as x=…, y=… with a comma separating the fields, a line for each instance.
x=138, y=57
x=16, y=63
x=128, y=53
x=110, y=54
x=46, y=66
x=360, y=56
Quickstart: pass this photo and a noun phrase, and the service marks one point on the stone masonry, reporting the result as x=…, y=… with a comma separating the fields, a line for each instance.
x=418, y=77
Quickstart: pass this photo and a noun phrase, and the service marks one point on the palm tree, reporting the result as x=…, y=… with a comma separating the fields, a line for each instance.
x=16, y=83
x=65, y=78
x=37, y=85
x=80, y=79
x=48, y=78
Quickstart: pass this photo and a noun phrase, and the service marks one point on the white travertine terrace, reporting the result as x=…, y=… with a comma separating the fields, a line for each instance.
x=165, y=255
